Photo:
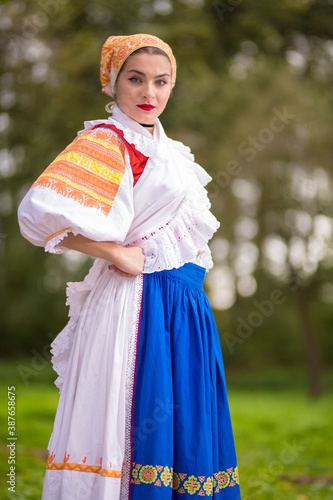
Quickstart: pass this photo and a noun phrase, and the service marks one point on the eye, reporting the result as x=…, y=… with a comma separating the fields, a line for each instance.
x=161, y=82
x=134, y=79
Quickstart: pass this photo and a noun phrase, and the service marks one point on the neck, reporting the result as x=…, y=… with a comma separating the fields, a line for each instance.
x=149, y=127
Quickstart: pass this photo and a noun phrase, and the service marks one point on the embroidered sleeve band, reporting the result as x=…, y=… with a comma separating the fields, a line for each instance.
x=88, y=171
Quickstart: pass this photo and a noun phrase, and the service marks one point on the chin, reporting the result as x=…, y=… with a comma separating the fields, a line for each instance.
x=146, y=119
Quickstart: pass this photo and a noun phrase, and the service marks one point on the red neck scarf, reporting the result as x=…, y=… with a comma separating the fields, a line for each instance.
x=137, y=159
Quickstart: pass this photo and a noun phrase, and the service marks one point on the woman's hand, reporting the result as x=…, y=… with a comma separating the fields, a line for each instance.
x=128, y=261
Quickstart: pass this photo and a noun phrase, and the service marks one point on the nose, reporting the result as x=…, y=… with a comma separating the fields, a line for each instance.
x=148, y=91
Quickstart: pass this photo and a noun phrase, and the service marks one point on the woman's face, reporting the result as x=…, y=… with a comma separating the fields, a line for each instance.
x=145, y=80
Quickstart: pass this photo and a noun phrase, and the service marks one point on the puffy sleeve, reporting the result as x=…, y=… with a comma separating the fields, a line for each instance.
x=87, y=190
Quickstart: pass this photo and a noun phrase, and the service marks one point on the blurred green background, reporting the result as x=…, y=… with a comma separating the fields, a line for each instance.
x=254, y=102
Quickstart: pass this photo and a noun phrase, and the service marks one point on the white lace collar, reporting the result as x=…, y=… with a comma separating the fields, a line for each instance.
x=134, y=133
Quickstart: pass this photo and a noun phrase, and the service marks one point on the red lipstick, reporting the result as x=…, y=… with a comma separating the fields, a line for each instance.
x=146, y=107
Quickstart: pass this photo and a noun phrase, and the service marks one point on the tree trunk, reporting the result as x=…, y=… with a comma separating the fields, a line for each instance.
x=313, y=358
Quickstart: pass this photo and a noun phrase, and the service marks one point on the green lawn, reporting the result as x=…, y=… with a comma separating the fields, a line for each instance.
x=283, y=438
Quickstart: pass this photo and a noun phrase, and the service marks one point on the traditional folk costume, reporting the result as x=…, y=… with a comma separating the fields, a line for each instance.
x=143, y=411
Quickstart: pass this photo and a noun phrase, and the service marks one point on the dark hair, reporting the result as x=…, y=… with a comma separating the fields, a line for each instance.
x=150, y=50
x=146, y=50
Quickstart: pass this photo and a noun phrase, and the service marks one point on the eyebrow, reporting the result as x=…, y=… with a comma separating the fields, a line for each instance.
x=143, y=74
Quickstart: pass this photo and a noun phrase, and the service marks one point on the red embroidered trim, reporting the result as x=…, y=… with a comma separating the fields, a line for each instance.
x=137, y=159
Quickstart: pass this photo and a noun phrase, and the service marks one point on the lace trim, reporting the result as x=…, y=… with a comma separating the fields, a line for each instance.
x=76, y=293
x=181, y=147
x=200, y=259
x=54, y=240
x=143, y=144
x=130, y=373
x=179, y=239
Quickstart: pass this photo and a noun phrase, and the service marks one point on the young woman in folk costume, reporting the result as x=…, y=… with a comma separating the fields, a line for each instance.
x=143, y=411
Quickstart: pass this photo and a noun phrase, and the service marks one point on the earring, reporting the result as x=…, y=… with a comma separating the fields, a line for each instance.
x=109, y=107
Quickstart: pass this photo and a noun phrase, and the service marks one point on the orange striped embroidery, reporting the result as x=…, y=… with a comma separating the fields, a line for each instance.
x=88, y=171
x=96, y=469
x=56, y=234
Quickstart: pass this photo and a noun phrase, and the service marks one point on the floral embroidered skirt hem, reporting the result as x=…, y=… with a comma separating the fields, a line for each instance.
x=143, y=412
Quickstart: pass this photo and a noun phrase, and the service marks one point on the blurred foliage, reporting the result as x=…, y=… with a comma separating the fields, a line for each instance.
x=239, y=67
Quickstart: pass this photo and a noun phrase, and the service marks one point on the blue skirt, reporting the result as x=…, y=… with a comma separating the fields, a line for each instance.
x=181, y=436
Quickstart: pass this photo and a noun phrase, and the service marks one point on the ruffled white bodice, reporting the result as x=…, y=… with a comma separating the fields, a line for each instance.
x=167, y=213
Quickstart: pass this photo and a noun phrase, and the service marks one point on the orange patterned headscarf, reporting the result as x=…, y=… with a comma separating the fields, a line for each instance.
x=116, y=50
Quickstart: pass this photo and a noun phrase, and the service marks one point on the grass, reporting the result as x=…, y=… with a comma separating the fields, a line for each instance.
x=283, y=438
x=282, y=444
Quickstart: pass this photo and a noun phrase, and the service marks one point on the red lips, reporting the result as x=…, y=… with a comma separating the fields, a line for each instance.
x=146, y=107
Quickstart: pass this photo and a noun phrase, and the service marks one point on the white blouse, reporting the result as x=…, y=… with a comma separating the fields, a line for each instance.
x=167, y=213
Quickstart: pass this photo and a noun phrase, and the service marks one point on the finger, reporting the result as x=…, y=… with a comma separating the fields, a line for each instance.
x=122, y=273
x=113, y=267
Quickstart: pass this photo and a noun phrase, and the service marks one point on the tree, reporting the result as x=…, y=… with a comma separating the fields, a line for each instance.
x=253, y=101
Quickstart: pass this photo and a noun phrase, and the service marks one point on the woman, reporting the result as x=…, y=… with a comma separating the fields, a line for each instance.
x=143, y=411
